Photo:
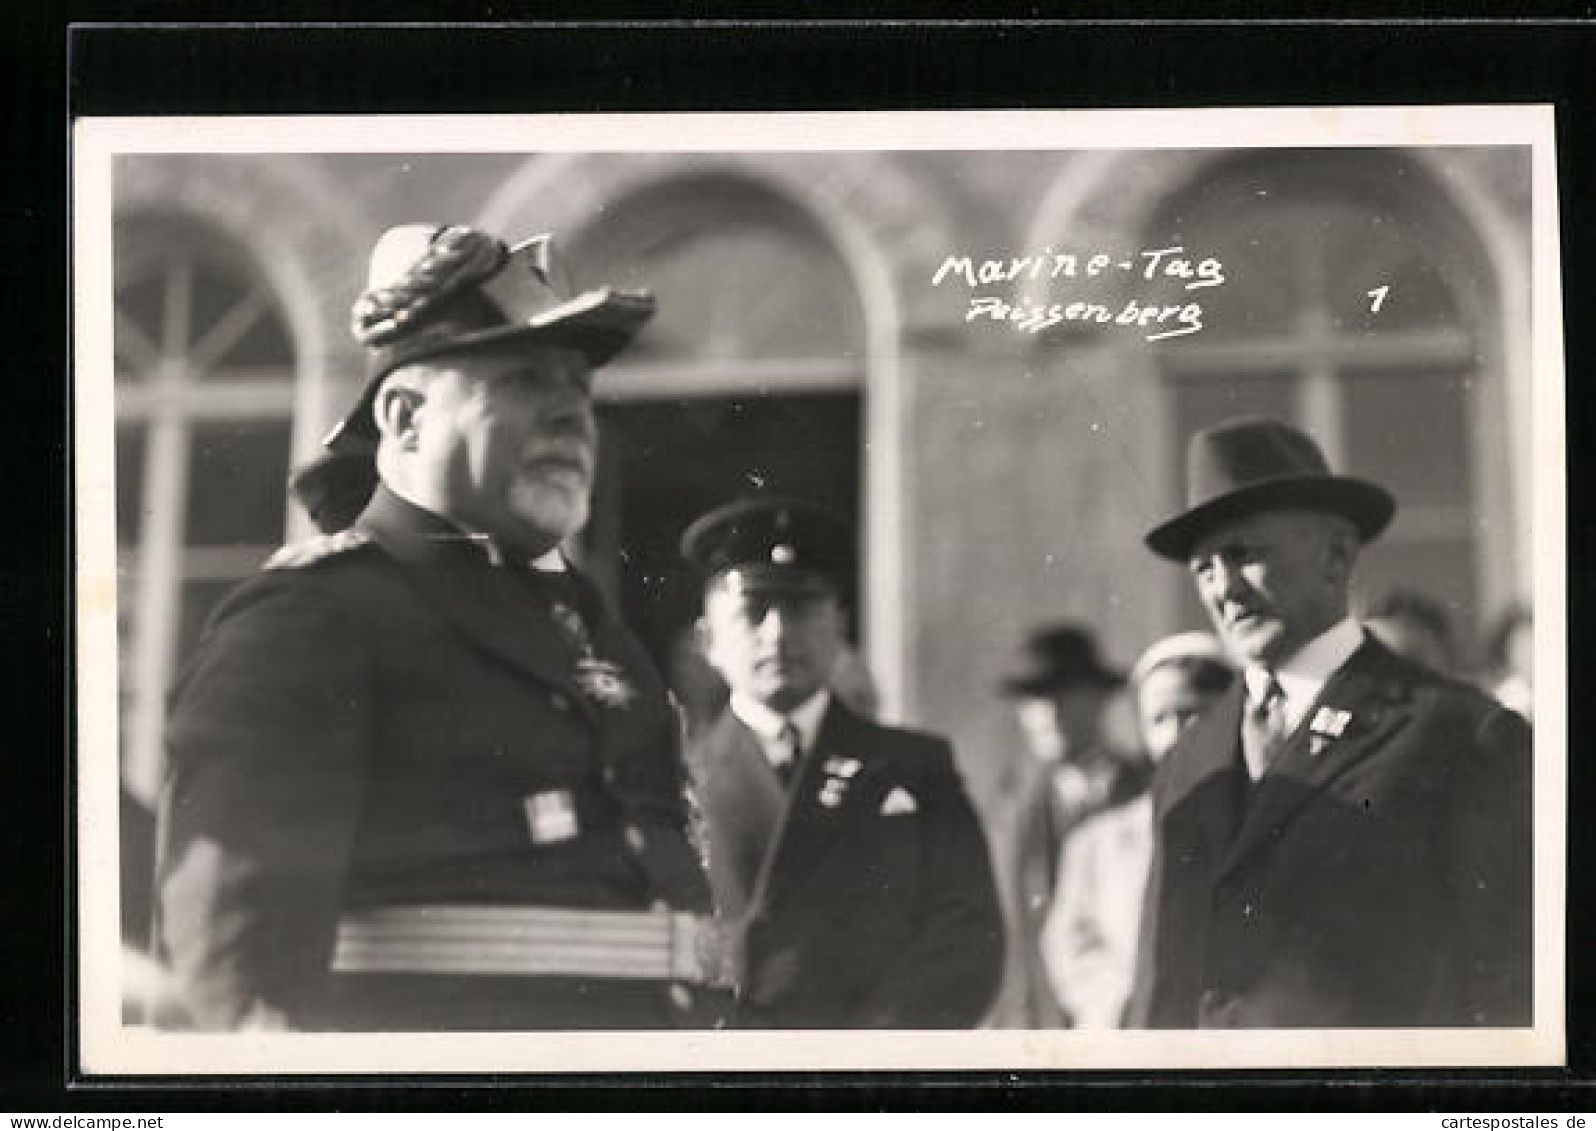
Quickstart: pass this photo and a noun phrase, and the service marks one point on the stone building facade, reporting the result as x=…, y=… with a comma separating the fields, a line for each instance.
x=1001, y=473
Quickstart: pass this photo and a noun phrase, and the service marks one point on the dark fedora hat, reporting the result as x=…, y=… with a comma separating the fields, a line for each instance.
x=771, y=543
x=434, y=290
x=1058, y=658
x=1250, y=464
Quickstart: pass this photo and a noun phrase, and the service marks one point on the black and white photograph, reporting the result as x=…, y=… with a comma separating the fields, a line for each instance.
x=858, y=590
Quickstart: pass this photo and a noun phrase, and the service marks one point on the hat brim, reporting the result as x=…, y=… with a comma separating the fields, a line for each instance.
x=759, y=578
x=598, y=325
x=1366, y=505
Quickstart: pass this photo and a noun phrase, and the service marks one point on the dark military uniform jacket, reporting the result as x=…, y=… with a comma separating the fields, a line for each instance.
x=388, y=718
x=861, y=896
x=1376, y=877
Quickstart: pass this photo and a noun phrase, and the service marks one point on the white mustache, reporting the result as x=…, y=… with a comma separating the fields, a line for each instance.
x=577, y=455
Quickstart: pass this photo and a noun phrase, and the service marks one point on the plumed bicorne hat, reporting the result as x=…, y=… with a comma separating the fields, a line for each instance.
x=771, y=543
x=434, y=290
x=1250, y=464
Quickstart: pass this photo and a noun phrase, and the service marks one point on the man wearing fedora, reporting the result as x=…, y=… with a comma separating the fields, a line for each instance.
x=419, y=776
x=1060, y=692
x=1344, y=839
x=847, y=863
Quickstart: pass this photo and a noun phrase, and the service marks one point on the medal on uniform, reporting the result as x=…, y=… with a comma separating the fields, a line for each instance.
x=601, y=681
x=551, y=816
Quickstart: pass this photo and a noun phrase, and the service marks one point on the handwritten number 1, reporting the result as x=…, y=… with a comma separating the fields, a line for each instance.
x=1378, y=295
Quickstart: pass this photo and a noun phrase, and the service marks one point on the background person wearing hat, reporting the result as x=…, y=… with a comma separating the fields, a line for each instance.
x=1089, y=940
x=1060, y=694
x=846, y=860
x=419, y=776
x=1344, y=839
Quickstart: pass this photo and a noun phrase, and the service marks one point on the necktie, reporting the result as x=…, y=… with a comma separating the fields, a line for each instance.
x=1264, y=729
x=789, y=747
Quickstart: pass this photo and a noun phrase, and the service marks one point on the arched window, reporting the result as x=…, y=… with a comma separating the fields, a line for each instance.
x=1353, y=310
x=750, y=375
x=204, y=398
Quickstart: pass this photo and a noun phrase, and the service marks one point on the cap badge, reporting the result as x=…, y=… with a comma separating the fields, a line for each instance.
x=783, y=554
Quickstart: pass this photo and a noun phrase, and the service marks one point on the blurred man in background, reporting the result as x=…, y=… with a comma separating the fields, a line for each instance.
x=1415, y=627
x=1060, y=693
x=1089, y=940
x=1510, y=660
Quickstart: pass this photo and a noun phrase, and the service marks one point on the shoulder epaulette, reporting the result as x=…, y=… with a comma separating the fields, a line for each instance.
x=297, y=555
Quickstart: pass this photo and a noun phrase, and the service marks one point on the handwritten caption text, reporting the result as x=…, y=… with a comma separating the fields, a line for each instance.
x=1164, y=269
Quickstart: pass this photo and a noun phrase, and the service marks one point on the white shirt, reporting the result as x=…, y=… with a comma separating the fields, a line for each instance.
x=1090, y=936
x=767, y=724
x=552, y=561
x=1304, y=675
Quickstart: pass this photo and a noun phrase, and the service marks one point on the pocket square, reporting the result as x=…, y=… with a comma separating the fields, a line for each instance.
x=898, y=801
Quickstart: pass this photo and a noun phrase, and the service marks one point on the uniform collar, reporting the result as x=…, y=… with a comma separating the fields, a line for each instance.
x=1304, y=675
x=391, y=510
x=767, y=724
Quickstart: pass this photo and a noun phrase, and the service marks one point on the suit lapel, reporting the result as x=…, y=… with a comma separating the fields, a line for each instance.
x=808, y=821
x=743, y=805
x=486, y=602
x=1371, y=691
x=1200, y=774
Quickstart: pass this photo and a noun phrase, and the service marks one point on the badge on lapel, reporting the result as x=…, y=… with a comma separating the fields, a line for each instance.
x=1328, y=724
x=839, y=772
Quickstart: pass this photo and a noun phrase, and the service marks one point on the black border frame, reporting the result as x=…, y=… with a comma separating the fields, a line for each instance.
x=1142, y=58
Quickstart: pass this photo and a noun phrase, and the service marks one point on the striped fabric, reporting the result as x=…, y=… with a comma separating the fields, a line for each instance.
x=528, y=942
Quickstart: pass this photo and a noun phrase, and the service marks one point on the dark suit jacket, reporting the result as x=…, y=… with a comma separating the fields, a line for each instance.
x=362, y=729
x=1383, y=880
x=844, y=915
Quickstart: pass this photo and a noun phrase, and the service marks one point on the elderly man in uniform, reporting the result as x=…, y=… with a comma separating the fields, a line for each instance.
x=419, y=776
x=845, y=857
x=1344, y=838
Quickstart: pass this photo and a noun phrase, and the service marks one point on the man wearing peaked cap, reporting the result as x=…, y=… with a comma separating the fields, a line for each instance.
x=849, y=871
x=420, y=778
x=1344, y=839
